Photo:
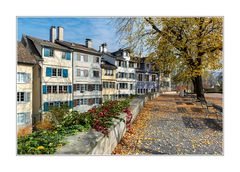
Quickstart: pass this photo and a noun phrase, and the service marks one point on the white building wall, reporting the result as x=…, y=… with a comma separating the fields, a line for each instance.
x=56, y=62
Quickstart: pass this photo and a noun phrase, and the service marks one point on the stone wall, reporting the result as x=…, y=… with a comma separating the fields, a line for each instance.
x=95, y=143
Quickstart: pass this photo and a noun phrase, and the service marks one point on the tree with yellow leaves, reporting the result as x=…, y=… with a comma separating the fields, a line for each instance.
x=187, y=45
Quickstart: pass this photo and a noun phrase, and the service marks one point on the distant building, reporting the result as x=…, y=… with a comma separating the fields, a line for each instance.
x=87, y=84
x=26, y=63
x=125, y=72
x=147, y=79
x=165, y=80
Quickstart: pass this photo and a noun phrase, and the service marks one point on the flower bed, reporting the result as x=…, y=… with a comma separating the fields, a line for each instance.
x=100, y=118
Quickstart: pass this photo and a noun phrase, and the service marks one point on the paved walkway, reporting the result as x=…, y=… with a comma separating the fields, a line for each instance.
x=173, y=125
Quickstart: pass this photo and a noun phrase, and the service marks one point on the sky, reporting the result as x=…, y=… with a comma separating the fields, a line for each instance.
x=100, y=30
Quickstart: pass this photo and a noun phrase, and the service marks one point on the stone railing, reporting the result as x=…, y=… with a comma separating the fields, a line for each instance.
x=95, y=143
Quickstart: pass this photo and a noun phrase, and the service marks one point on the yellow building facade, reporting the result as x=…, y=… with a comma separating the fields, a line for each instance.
x=109, y=90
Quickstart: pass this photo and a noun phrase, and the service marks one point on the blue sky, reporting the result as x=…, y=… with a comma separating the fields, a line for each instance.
x=100, y=30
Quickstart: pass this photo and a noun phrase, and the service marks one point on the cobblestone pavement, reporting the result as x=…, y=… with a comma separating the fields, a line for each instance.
x=174, y=126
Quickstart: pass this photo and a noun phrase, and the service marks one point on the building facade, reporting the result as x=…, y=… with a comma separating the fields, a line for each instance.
x=87, y=83
x=109, y=81
x=25, y=67
x=56, y=72
x=147, y=79
x=125, y=72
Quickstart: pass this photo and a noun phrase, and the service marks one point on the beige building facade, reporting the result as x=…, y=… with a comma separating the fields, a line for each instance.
x=25, y=65
x=109, y=90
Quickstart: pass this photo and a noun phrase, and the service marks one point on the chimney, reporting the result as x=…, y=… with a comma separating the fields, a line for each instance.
x=52, y=33
x=104, y=47
x=60, y=33
x=100, y=49
x=88, y=43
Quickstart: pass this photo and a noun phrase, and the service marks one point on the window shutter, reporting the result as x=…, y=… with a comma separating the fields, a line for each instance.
x=70, y=104
x=65, y=73
x=46, y=52
x=74, y=87
x=44, y=89
x=100, y=100
x=27, y=97
x=49, y=71
x=100, y=87
x=45, y=106
x=28, y=78
x=69, y=89
x=68, y=56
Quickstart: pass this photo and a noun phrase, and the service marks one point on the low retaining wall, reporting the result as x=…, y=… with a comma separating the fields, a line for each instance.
x=95, y=143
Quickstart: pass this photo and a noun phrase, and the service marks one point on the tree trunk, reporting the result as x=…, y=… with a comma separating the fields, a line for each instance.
x=198, y=87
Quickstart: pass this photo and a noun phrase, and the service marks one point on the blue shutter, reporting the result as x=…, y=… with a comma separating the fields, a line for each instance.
x=44, y=89
x=48, y=71
x=68, y=56
x=45, y=106
x=70, y=104
x=69, y=89
x=46, y=52
x=65, y=73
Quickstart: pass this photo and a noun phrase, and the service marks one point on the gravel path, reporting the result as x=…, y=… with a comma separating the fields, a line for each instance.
x=174, y=126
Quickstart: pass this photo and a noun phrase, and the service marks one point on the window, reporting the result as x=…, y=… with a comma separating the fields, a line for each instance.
x=64, y=89
x=109, y=72
x=23, y=77
x=131, y=86
x=95, y=59
x=82, y=87
x=123, y=85
x=48, y=52
x=49, y=89
x=81, y=57
x=82, y=73
x=96, y=87
x=23, y=97
x=105, y=85
x=138, y=65
x=59, y=72
x=78, y=56
x=131, y=75
x=66, y=55
x=54, y=89
x=119, y=63
x=153, y=77
x=96, y=101
x=83, y=101
x=139, y=77
x=54, y=72
x=95, y=73
x=60, y=89
x=131, y=64
x=23, y=118
x=146, y=77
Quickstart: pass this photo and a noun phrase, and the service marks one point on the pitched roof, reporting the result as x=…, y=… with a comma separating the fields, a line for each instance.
x=23, y=55
x=45, y=43
x=79, y=47
x=107, y=65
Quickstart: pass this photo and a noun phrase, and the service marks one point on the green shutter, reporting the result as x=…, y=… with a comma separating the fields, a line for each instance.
x=45, y=106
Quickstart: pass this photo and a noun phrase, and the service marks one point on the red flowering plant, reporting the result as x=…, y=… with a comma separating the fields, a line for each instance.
x=103, y=117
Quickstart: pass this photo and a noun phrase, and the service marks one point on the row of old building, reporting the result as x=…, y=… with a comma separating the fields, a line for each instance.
x=56, y=72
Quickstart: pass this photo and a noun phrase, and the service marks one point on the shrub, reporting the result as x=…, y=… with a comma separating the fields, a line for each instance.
x=24, y=131
x=57, y=113
x=49, y=137
x=45, y=124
